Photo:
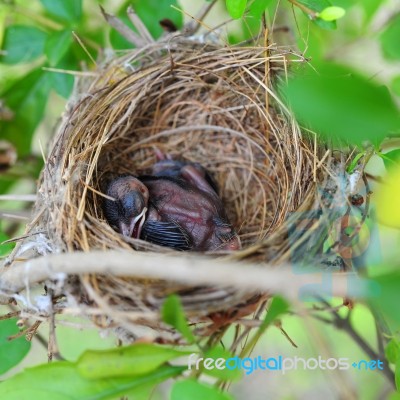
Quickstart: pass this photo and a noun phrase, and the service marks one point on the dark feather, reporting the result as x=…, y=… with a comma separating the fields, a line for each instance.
x=173, y=169
x=167, y=234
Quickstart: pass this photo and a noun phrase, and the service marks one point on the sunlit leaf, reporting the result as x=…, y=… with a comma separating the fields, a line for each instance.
x=392, y=351
x=11, y=351
x=236, y=8
x=62, y=381
x=67, y=10
x=257, y=7
x=384, y=295
x=332, y=13
x=391, y=158
x=57, y=45
x=390, y=40
x=387, y=199
x=354, y=162
x=370, y=7
x=312, y=8
x=137, y=359
x=278, y=307
x=193, y=390
x=22, y=44
x=397, y=375
x=173, y=314
x=218, y=352
x=342, y=105
x=395, y=85
x=394, y=396
x=315, y=5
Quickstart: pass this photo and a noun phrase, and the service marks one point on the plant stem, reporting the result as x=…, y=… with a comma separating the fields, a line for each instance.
x=312, y=14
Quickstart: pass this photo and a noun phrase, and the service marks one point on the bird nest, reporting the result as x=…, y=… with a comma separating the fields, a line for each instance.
x=207, y=103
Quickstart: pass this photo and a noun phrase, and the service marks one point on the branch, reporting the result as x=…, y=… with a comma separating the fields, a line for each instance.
x=189, y=270
x=123, y=29
x=345, y=325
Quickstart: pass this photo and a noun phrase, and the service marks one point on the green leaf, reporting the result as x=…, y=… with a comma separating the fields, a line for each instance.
x=257, y=7
x=278, y=307
x=312, y=8
x=173, y=314
x=57, y=45
x=225, y=374
x=150, y=12
x=342, y=105
x=236, y=8
x=395, y=85
x=391, y=159
x=67, y=10
x=354, y=162
x=315, y=5
x=62, y=83
x=332, y=13
x=327, y=25
x=390, y=39
x=138, y=359
x=22, y=44
x=27, y=99
x=62, y=381
x=387, y=209
x=392, y=351
x=370, y=7
x=193, y=390
x=384, y=294
x=5, y=248
x=11, y=351
x=397, y=375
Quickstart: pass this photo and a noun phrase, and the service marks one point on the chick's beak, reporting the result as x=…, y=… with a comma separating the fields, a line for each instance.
x=134, y=228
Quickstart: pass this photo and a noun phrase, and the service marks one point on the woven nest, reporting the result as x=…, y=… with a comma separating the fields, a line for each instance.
x=207, y=103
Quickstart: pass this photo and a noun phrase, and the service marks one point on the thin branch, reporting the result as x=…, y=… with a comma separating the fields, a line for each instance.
x=193, y=26
x=189, y=270
x=311, y=13
x=123, y=29
x=344, y=324
x=139, y=25
x=18, y=197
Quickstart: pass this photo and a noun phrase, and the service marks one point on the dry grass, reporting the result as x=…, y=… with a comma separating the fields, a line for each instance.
x=215, y=105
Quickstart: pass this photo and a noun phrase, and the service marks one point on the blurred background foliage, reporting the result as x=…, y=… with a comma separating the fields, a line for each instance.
x=349, y=92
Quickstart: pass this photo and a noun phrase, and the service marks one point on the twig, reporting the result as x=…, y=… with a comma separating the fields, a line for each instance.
x=344, y=324
x=18, y=197
x=192, y=27
x=312, y=14
x=139, y=25
x=123, y=29
x=188, y=270
x=84, y=48
x=52, y=347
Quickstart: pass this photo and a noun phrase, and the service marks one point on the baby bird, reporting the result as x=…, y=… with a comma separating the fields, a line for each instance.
x=177, y=206
x=126, y=208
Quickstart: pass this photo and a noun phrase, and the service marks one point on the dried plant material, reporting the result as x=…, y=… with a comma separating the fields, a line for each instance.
x=199, y=102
